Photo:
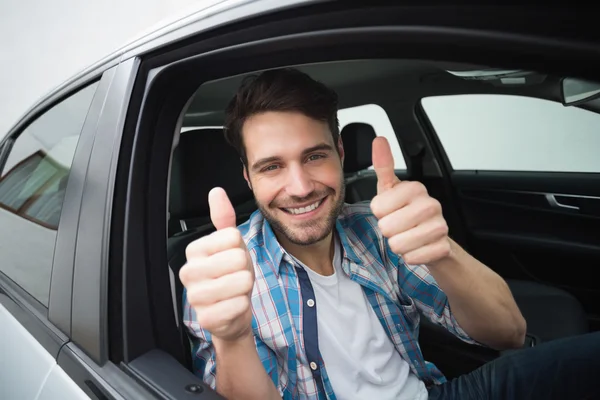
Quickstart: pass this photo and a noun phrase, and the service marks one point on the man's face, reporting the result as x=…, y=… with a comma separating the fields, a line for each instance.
x=295, y=172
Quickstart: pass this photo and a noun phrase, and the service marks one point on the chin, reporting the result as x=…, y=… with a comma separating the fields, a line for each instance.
x=304, y=239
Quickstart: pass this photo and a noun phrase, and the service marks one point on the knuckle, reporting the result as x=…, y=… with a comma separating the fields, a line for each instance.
x=447, y=248
x=240, y=305
x=396, y=245
x=246, y=280
x=244, y=303
x=191, y=248
x=232, y=236
x=411, y=259
x=205, y=319
x=442, y=250
x=238, y=258
x=441, y=228
x=433, y=206
x=384, y=227
x=184, y=274
x=416, y=187
x=195, y=296
x=376, y=206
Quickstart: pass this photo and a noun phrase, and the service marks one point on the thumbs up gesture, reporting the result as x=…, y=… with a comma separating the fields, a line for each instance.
x=219, y=275
x=409, y=218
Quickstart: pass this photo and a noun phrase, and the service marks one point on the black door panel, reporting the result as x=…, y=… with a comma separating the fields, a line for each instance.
x=543, y=227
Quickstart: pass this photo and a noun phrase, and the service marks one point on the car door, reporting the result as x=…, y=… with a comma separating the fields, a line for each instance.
x=123, y=326
x=41, y=164
x=526, y=178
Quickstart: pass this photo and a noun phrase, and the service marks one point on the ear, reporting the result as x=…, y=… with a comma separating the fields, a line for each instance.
x=246, y=177
x=340, y=145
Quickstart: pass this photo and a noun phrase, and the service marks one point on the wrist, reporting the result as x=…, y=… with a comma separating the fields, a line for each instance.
x=245, y=339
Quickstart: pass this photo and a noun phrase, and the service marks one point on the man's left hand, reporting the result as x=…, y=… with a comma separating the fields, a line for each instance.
x=410, y=219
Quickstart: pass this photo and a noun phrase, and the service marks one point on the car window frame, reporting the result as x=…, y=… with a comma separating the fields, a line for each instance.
x=85, y=358
x=50, y=325
x=5, y=148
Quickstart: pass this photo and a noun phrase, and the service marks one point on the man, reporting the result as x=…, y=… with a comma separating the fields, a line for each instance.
x=313, y=298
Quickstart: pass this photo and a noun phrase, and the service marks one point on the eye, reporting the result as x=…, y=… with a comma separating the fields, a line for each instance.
x=315, y=157
x=268, y=168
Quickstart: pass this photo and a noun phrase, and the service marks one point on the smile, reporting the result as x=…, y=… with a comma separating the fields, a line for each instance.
x=304, y=210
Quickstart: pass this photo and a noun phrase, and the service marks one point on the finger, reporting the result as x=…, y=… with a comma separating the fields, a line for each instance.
x=215, y=266
x=217, y=315
x=408, y=216
x=399, y=196
x=429, y=253
x=420, y=236
x=222, y=213
x=225, y=239
x=211, y=291
x=383, y=163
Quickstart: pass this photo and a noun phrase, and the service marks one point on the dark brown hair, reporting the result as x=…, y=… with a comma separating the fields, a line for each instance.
x=285, y=89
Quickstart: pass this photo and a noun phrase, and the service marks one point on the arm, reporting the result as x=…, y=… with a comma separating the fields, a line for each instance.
x=240, y=373
x=219, y=279
x=480, y=299
x=415, y=227
x=241, y=364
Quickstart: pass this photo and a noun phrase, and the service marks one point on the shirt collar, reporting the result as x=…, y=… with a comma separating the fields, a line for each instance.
x=274, y=249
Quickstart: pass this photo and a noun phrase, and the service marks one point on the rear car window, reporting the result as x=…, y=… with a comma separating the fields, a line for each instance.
x=515, y=133
x=32, y=189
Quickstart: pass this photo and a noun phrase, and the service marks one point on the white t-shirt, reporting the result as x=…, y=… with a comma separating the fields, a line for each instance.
x=361, y=360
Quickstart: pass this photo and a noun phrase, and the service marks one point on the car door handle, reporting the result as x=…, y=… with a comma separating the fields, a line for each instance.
x=556, y=204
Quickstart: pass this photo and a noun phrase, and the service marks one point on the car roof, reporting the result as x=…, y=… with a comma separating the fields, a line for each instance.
x=379, y=81
x=194, y=19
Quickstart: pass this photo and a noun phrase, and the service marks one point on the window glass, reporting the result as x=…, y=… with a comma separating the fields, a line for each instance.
x=32, y=188
x=515, y=133
x=375, y=116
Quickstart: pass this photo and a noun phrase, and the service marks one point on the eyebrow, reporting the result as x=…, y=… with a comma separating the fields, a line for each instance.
x=263, y=161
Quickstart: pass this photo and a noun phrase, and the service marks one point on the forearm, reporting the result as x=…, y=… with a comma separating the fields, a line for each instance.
x=240, y=373
x=480, y=300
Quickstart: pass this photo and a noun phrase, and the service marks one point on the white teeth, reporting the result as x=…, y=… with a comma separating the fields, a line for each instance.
x=303, y=210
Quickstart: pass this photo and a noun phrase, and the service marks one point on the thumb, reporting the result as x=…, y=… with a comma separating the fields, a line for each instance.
x=222, y=213
x=383, y=162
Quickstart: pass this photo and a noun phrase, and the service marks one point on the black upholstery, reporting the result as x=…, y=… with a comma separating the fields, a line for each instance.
x=358, y=139
x=550, y=312
x=201, y=161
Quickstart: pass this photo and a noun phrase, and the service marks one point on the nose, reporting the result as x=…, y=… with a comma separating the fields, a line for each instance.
x=300, y=183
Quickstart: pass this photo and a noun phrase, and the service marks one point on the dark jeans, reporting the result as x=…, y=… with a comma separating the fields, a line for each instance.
x=566, y=369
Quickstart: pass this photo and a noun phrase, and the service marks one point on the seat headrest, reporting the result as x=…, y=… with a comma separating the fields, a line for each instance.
x=202, y=160
x=358, y=142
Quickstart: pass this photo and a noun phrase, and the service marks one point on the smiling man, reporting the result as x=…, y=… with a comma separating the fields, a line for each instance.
x=313, y=298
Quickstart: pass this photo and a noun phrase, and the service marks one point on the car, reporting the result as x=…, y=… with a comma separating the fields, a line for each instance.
x=103, y=183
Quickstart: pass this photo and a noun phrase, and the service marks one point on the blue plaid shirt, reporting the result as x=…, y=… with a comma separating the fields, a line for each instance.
x=285, y=327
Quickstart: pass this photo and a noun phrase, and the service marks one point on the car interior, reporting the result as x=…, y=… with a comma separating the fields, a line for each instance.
x=500, y=217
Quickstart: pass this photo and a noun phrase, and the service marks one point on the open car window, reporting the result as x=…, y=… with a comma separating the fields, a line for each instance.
x=515, y=133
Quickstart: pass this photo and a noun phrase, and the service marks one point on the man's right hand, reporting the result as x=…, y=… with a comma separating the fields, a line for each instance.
x=219, y=275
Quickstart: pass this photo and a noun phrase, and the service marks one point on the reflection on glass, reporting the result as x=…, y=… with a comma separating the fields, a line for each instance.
x=32, y=189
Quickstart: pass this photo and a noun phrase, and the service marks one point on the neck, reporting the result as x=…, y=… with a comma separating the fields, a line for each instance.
x=317, y=256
